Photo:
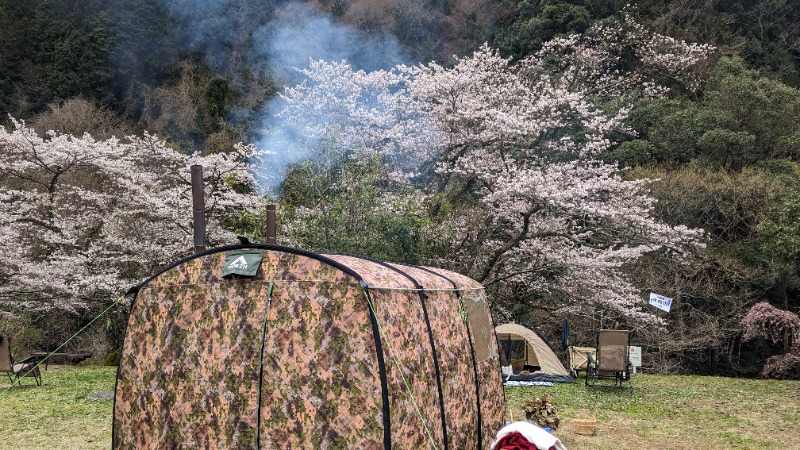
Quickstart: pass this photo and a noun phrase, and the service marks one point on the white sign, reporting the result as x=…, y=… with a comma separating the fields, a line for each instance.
x=635, y=356
x=660, y=302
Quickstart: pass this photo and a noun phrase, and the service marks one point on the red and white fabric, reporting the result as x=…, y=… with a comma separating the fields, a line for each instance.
x=525, y=436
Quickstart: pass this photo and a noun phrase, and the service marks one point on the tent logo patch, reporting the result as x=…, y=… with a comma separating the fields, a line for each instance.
x=242, y=263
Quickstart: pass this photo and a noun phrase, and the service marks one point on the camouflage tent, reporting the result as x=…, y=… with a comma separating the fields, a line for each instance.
x=291, y=349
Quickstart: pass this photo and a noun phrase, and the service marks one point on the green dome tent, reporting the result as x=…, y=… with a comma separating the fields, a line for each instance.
x=262, y=346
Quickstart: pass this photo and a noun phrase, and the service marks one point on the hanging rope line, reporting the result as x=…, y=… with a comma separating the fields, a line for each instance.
x=400, y=370
x=41, y=361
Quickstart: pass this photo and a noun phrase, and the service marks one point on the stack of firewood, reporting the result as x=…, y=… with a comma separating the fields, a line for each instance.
x=542, y=412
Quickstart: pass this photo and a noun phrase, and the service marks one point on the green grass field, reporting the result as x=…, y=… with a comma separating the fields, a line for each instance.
x=60, y=414
x=676, y=412
x=665, y=412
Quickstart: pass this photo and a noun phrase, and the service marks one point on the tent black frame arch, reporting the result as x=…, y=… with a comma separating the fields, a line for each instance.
x=226, y=248
x=472, y=355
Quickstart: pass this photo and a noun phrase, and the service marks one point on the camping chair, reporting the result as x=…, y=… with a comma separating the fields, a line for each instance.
x=25, y=368
x=612, y=358
x=578, y=358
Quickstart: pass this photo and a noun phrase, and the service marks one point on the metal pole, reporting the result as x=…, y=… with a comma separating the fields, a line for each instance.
x=658, y=337
x=198, y=209
x=271, y=238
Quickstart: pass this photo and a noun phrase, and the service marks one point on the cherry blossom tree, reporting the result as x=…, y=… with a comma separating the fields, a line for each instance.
x=514, y=148
x=776, y=325
x=551, y=220
x=81, y=220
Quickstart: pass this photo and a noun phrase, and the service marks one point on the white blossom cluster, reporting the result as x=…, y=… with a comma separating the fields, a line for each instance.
x=83, y=220
x=621, y=56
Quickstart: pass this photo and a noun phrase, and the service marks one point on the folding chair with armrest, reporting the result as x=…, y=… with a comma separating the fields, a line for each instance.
x=16, y=370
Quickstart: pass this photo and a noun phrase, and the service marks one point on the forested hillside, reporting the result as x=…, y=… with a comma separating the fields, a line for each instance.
x=571, y=155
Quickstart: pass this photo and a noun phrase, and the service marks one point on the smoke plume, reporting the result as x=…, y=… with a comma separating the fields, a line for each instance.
x=275, y=40
x=296, y=35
